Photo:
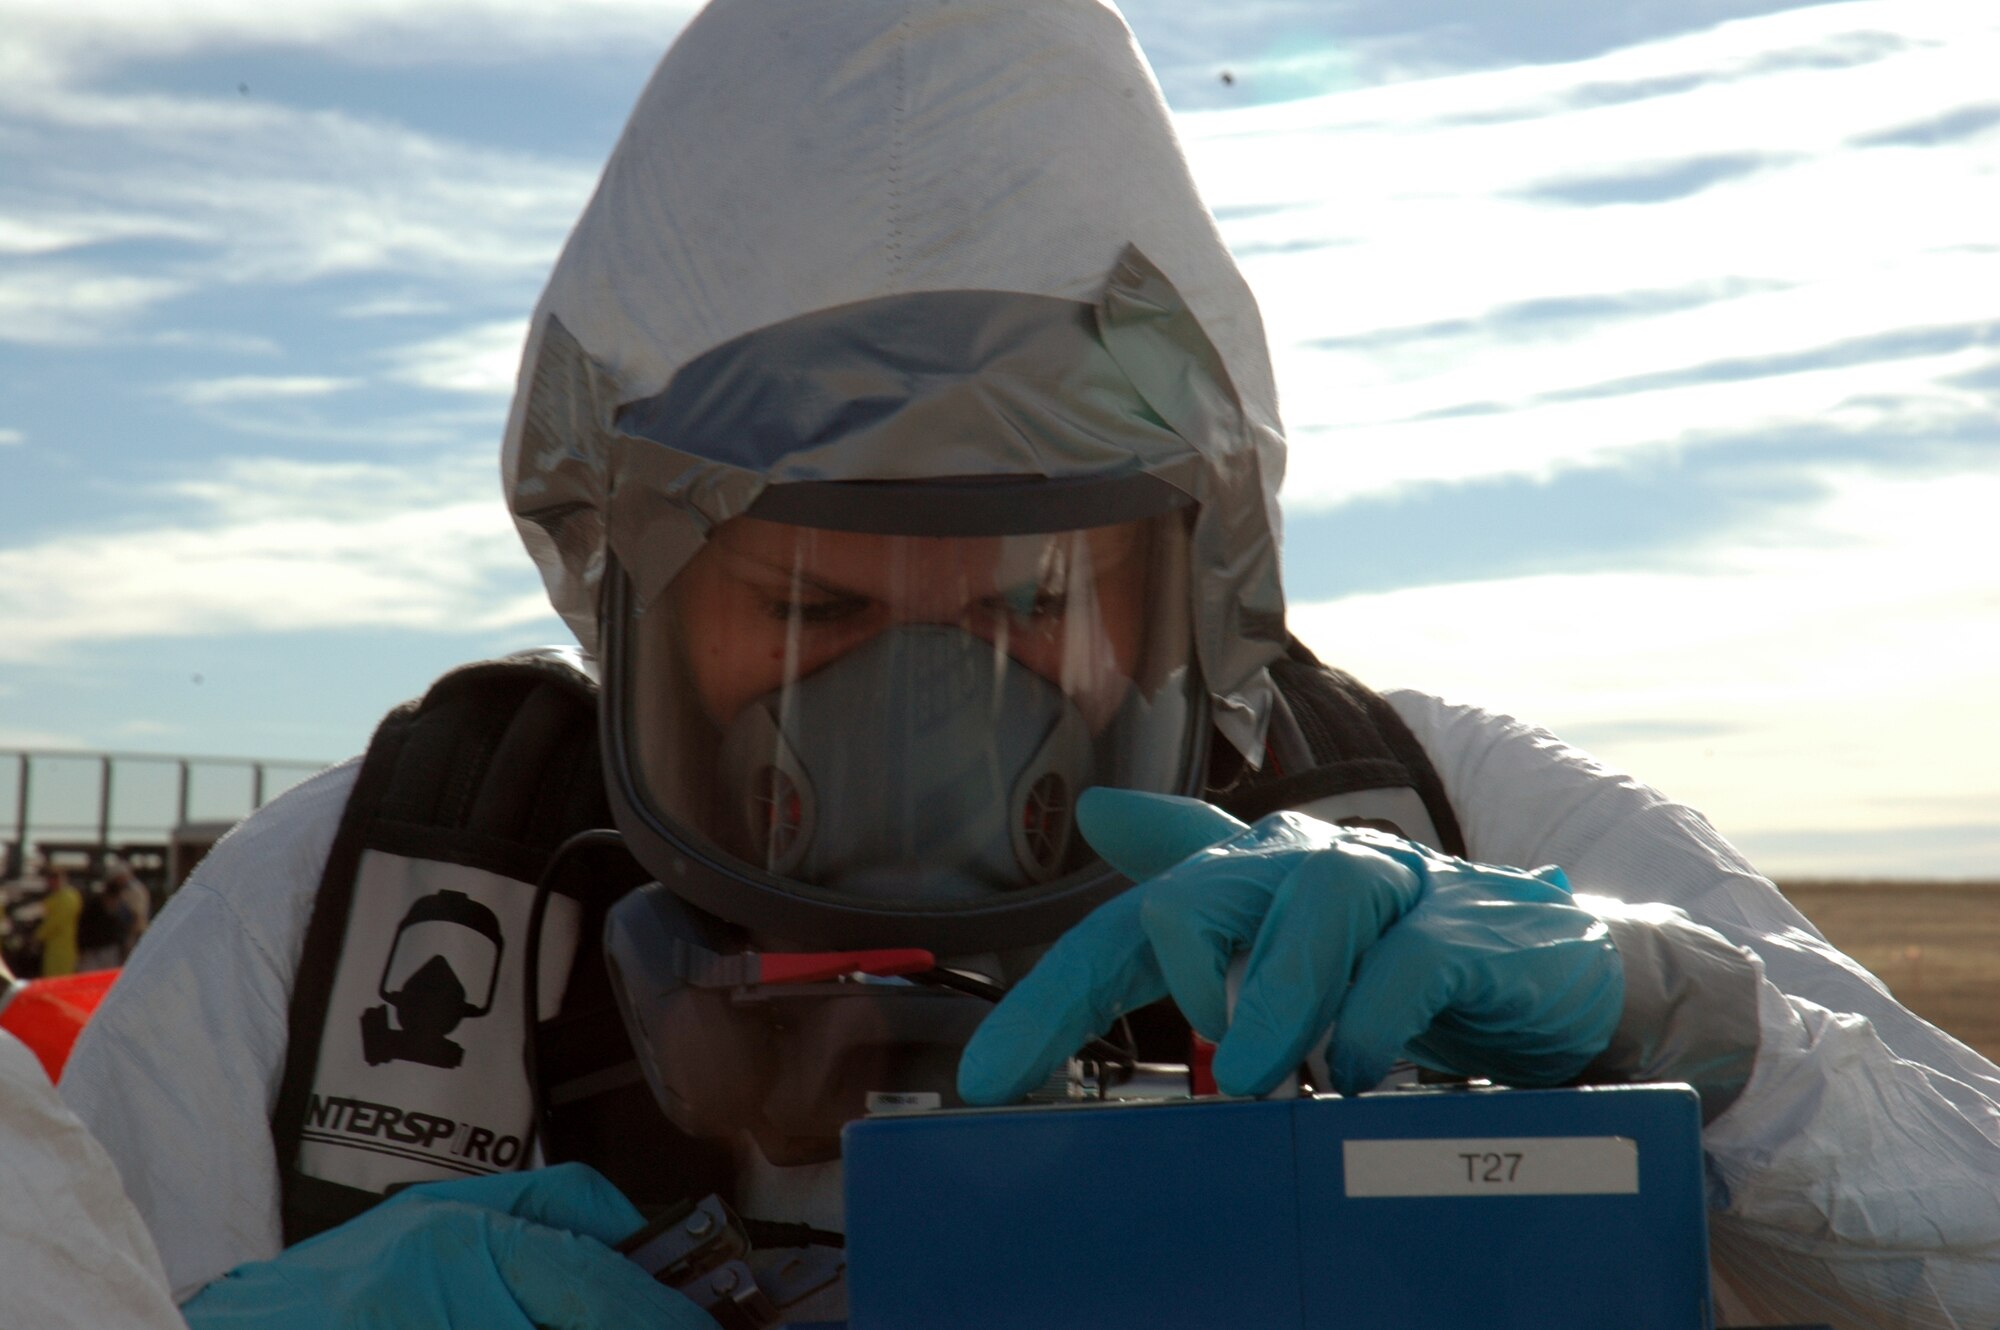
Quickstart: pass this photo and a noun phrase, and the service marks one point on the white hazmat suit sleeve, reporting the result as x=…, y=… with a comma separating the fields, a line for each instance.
x=1856, y=1180
x=73, y=1253
x=178, y=1070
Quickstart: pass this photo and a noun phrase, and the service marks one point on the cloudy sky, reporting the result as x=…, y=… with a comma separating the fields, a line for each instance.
x=1641, y=364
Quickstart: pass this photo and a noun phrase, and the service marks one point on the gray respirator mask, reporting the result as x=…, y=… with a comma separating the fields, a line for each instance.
x=963, y=791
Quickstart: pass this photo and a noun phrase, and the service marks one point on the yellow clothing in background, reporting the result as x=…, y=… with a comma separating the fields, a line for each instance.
x=57, y=933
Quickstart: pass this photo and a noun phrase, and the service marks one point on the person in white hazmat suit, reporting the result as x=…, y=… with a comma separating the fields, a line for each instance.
x=73, y=1252
x=899, y=435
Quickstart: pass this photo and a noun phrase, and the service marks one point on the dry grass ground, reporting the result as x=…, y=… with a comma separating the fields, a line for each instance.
x=1935, y=944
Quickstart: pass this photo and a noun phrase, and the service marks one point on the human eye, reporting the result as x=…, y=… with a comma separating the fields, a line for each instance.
x=1048, y=605
x=816, y=611
x=1028, y=604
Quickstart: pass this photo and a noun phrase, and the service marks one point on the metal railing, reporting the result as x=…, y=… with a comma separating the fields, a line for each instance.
x=73, y=802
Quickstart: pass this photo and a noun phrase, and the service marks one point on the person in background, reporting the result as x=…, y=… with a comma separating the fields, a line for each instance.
x=124, y=887
x=21, y=913
x=103, y=928
x=62, y=907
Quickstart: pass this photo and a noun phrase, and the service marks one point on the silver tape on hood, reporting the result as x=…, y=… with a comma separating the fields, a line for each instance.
x=929, y=386
x=788, y=162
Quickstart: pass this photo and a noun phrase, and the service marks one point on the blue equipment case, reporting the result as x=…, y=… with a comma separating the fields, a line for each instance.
x=1501, y=1209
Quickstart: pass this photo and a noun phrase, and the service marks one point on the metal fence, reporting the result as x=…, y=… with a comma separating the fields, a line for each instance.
x=74, y=808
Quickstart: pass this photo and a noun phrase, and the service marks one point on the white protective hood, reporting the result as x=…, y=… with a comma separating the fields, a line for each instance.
x=790, y=158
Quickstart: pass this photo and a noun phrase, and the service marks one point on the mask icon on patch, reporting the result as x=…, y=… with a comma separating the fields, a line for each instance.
x=443, y=968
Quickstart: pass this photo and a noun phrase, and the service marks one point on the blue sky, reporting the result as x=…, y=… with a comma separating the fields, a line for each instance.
x=1641, y=364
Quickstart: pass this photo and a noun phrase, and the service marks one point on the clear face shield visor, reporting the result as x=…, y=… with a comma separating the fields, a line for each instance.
x=903, y=723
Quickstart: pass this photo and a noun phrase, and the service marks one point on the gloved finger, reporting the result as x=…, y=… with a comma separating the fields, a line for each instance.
x=1095, y=973
x=1143, y=835
x=563, y=1281
x=1538, y=1014
x=575, y=1198
x=1333, y=906
x=1402, y=984
x=1198, y=915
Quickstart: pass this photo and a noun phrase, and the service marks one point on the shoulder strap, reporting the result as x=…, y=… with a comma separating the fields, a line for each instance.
x=478, y=782
x=592, y=1098
x=1358, y=743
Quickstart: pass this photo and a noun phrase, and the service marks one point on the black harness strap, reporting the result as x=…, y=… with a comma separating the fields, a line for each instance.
x=310, y=1205
x=595, y=1105
x=494, y=769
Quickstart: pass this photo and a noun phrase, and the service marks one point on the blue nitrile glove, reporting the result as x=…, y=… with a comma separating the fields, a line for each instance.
x=1472, y=969
x=506, y=1252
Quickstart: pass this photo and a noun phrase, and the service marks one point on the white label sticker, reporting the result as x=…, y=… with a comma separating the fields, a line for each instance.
x=903, y=1101
x=1494, y=1166
x=419, y=1072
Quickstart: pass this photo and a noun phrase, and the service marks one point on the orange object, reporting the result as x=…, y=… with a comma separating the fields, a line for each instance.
x=48, y=1014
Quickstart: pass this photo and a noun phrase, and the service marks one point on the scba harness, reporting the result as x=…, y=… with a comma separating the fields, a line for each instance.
x=411, y=1057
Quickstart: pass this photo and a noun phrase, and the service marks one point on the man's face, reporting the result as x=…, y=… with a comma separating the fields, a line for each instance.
x=764, y=601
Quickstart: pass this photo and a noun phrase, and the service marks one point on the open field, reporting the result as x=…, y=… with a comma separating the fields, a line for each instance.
x=1935, y=944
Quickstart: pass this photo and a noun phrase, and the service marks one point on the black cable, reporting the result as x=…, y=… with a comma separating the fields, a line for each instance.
x=531, y=972
x=961, y=983
x=1128, y=1066
x=765, y=1234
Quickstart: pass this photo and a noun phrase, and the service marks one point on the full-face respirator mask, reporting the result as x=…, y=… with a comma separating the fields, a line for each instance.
x=873, y=741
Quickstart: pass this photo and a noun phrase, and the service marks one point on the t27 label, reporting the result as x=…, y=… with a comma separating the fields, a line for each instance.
x=1493, y=1166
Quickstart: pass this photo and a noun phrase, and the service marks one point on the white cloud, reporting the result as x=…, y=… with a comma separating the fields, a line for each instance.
x=222, y=193
x=18, y=737
x=1839, y=680
x=57, y=230
x=290, y=196
x=99, y=32
x=482, y=360
x=1329, y=465
x=394, y=307
x=64, y=304
x=1407, y=264
x=334, y=410
x=365, y=429
x=10, y=437
x=259, y=388
x=280, y=546
x=214, y=339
